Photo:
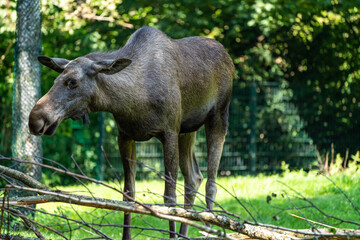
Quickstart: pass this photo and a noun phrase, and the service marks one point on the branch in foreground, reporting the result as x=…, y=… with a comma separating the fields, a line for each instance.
x=16, y=237
x=22, y=177
x=28, y=222
x=166, y=213
x=253, y=230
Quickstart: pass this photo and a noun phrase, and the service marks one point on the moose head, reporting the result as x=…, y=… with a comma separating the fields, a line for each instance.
x=73, y=92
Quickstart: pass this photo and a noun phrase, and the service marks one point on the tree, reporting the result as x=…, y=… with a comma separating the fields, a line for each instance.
x=310, y=46
x=26, y=85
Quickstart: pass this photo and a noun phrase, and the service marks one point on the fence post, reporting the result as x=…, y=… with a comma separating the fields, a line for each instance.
x=252, y=147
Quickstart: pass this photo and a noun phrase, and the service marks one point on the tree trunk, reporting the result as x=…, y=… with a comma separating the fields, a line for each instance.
x=26, y=88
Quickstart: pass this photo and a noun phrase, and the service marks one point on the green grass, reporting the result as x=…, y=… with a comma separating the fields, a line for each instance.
x=250, y=190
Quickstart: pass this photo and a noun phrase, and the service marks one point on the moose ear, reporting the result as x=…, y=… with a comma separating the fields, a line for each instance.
x=110, y=66
x=57, y=64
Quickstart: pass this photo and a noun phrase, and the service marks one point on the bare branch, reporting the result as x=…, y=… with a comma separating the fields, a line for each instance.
x=345, y=195
x=91, y=227
x=301, y=197
x=22, y=177
x=255, y=230
x=190, y=217
x=317, y=223
x=27, y=221
x=18, y=237
x=238, y=200
x=2, y=58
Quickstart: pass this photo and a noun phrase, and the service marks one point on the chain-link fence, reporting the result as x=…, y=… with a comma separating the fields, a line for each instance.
x=264, y=130
x=26, y=88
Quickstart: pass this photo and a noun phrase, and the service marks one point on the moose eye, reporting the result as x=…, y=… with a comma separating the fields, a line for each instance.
x=71, y=84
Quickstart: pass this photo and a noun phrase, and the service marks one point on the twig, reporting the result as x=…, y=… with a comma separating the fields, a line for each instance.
x=2, y=210
x=2, y=58
x=103, y=225
x=17, y=237
x=91, y=227
x=27, y=221
x=77, y=165
x=327, y=215
x=301, y=197
x=238, y=200
x=31, y=223
x=308, y=220
x=289, y=208
x=346, y=159
x=313, y=227
x=111, y=166
x=187, y=187
x=345, y=195
x=21, y=177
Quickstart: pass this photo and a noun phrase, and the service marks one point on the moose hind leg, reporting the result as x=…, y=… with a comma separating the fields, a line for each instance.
x=127, y=149
x=215, y=128
x=171, y=163
x=190, y=171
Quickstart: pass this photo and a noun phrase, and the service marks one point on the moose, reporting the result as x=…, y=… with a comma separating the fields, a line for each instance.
x=154, y=86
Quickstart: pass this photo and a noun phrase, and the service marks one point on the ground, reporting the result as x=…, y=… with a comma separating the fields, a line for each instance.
x=263, y=196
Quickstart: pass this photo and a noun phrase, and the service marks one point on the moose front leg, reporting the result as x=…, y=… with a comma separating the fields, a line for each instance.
x=127, y=149
x=171, y=163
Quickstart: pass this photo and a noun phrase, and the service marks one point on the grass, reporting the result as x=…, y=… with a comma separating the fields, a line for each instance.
x=252, y=191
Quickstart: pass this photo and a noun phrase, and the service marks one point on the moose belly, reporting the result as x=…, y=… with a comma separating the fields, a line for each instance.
x=193, y=120
x=135, y=129
x=135, y=133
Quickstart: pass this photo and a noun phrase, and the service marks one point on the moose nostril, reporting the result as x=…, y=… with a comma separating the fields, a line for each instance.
x=41, y=130
x=36, y=126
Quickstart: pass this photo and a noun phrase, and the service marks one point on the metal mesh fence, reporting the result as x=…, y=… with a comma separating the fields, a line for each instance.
x=276, y=128
x=26, y=87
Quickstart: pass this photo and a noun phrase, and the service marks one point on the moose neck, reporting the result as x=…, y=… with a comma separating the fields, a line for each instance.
x=112, y=93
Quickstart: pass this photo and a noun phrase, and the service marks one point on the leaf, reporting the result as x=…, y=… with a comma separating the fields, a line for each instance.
x=332, y=230
x=276, y=217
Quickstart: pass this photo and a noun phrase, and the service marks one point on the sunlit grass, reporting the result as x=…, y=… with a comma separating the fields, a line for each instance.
x=252, y=191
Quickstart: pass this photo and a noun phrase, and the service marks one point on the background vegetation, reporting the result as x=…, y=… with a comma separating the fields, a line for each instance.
x=312, y=47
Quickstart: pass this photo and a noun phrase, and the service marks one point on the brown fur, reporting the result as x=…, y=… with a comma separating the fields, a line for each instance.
x=154, y=86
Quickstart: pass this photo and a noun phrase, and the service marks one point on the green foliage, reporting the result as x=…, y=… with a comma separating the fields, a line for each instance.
x=7, y=33
x=354, y=165
x=285, y=167
x=339, y=164
x=310, y=46
x=323, y=55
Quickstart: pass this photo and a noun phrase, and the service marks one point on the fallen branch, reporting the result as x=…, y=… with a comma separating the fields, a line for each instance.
x=190, y=217
x=21, y=177
x=316, y=223
x=171, y=214
x=254, y=230
x=28, y=222
x=16, y=237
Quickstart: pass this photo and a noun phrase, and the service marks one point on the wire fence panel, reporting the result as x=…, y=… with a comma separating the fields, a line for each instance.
x=277, y=131
x=26, y=85
x=26, y=91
